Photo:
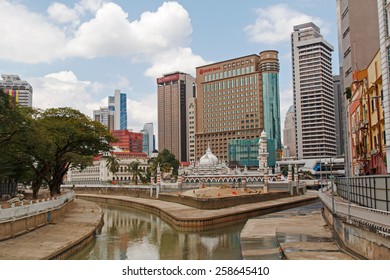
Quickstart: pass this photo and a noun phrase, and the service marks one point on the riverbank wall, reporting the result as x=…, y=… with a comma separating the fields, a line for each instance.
x=19, y=220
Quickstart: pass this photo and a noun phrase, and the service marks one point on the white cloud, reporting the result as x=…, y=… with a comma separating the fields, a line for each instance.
x=110, y=32
x=181, y=59
x=159, y=38
x=274, y=24
x=26, y=36
x=64, y=89
x=141, y=112
x=61, y=13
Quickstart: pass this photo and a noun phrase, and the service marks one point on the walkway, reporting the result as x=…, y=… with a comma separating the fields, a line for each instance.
x=295, y=234
x=51, y=240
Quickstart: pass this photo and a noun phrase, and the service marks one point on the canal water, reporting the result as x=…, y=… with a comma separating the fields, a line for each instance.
x=130, y=234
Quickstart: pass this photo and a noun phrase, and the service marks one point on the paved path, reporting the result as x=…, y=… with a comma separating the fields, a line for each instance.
x=47, y=241
x=290, y=235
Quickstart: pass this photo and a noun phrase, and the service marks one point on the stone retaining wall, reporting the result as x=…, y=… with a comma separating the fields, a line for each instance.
x=359, y=236
x=133, y=192
x=222, y=202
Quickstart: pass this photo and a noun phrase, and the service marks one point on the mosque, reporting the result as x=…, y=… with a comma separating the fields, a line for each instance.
x=209, y=171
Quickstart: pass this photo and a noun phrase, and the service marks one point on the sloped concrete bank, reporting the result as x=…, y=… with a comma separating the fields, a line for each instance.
x=186, y=218
x=59, y=239
x=362, y=238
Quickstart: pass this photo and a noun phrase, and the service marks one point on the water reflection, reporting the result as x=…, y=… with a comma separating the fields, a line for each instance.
x=133, y=234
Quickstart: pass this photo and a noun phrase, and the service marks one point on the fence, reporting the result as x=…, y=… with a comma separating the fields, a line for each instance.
x=33, y=209
x=368, y=214
x=8, y=187
x=368, y=191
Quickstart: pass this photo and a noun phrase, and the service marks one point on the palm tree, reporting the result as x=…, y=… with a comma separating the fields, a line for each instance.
x=135, y=171
x=112, y=164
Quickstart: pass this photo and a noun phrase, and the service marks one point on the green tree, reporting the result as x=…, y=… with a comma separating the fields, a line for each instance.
x=72, y=139
x=167, y=162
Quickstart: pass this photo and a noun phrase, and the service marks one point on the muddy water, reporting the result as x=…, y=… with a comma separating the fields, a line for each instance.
x=130, y=234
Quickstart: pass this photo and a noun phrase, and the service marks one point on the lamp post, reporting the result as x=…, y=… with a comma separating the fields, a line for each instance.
x=331, y=185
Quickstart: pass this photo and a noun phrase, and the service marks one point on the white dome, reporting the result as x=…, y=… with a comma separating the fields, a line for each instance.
x=209, y=158
x=264, y=134
x=205, y=161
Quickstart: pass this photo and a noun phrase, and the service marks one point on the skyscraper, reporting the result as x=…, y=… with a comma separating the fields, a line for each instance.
x=313, y=93
x=148, y=143
x=118, y=102
x=105, y=116
x=289, y=139
x=269, y=68
x=174, y=92
x=233, y=102
x=21, y=91
x=358, y=42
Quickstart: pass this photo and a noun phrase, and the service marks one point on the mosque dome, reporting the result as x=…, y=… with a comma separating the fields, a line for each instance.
x=209, y=158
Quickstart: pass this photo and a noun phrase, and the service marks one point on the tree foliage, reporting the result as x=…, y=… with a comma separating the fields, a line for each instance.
x=39, y=147
x=167, y=161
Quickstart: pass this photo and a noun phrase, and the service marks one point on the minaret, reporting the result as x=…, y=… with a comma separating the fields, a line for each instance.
x=263, y=153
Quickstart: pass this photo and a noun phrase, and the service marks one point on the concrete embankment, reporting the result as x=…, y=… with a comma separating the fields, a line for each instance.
x=295, y=234
x=186, y=218
x=59, y=239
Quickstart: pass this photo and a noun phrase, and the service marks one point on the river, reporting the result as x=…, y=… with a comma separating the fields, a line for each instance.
x=131, y=234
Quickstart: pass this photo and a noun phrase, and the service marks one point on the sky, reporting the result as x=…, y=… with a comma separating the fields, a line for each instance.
x=76, y=53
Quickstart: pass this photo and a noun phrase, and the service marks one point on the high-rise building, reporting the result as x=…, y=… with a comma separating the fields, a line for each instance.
x=269, y=68
x=114, y=116
x=358, y=36
x=289, y=139
x=21, y=91
x=174, y=94
x=230, y=102
x=358, y=42
x=148, y=143
x=105, y=116
x=118, y=102
x=384, y=33
x=313, y=93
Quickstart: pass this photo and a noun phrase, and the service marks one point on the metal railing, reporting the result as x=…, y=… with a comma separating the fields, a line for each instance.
x=26, y=210
x=368, y=191
x=371, y=215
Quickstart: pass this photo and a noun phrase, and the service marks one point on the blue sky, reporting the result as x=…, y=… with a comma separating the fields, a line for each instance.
x=76, y=53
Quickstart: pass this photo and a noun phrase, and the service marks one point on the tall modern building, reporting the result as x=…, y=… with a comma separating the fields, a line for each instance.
x=175, y=92
x=233, y=102
x=313, y=93
x=289, y=139
x=105, y=116
x=269, y=68
x=118, y=104
x=21, y=91
x=384, y=34
x=148, y=143
x=358, y=42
